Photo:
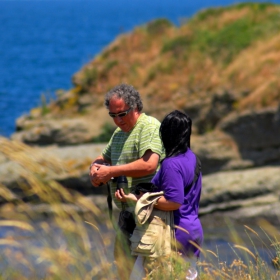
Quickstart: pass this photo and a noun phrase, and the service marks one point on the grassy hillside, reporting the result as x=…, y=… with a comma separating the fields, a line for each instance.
x=230, y=53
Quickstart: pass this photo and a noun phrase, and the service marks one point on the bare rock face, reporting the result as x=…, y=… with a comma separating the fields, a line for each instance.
x=257, y=134
x=73, y=162
x=56, y=131
x=218, y=151
x=246, y=195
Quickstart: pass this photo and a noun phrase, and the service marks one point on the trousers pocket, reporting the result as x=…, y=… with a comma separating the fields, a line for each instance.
x=147, y=240
x=143, y=242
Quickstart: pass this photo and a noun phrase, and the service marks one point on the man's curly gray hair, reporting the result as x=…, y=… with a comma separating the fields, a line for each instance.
x=126, y=92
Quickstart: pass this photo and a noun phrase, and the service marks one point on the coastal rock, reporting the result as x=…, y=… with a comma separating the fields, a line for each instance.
x=239, y=141
x=256, y=134
x=70, y=131
x=73, y=163
x=246, y=195
x=218, y=151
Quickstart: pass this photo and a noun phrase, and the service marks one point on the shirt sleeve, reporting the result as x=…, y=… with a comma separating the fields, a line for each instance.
x=171, y=181
x=150, y=140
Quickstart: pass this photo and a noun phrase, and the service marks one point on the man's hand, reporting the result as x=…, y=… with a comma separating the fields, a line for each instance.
x=92, y=171
x=99, y=174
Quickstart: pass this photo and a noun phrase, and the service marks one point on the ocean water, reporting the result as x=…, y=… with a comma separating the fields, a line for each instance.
x=44, y=42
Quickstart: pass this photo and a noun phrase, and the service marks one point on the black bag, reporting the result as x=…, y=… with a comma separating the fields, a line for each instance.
x=126, y=222
x=144, y=187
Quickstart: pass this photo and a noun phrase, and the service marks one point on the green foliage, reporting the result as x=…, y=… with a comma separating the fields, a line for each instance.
x=107, y=131
x=166, y=67
x=158, y=26
x=108, y=51
x=225, y=42
x=134, y=69
x=110, y=64
x=90, y=76
x=228, y=41
x=60, y=92
x=177, y=45
x=256, y=6
x=150, y=76
x=205, y=14
x=163, y=67
x=45, y=109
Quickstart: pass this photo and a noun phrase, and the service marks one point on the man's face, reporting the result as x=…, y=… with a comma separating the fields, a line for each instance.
x=127, y=122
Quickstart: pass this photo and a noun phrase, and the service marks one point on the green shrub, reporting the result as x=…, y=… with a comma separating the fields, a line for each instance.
x=105, y=135
x=177, y=45
x=90, y=76
x=205, y=14
x=225, y=43
x=44, y=105
x=110, y=64
x=256, y=6
x=158, y=26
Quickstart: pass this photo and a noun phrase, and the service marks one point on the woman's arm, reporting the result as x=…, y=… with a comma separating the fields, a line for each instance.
x=162, y=203
x=166, y=205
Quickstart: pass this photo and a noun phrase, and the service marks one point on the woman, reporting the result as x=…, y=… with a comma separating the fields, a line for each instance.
x=181, y=183
x=176, y=177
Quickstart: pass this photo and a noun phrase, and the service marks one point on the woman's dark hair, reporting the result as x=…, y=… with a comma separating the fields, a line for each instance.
x=175, y=133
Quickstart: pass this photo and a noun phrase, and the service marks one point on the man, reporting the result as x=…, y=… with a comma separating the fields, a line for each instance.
x=134, y=150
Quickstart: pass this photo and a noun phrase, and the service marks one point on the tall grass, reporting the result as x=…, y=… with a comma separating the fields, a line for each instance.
x=67, y=242
x=59, y=245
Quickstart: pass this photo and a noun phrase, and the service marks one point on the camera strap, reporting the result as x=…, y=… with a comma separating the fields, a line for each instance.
x=109, y=201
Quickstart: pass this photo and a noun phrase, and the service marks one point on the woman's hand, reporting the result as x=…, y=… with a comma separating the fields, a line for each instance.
x=121, y=196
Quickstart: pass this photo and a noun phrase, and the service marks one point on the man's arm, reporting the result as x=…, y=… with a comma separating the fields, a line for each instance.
x=139, y=168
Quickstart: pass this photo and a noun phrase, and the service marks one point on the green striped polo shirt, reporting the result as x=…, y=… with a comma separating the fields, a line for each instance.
x=126, y=147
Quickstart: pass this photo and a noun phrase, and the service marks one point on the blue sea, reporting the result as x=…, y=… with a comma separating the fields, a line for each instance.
x=43, y=43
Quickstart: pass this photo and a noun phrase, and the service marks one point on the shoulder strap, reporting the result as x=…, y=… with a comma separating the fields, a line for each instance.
x=197, y=169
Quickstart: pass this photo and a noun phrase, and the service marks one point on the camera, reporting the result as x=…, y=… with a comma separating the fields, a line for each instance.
x=122, y=184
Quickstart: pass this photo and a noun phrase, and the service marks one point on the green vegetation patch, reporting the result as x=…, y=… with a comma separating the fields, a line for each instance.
x=177, y=45
x=217, y=12
x=224, y=43
x=105, y=135
x=90, y=76
x=158, y=26
x=227, y=42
